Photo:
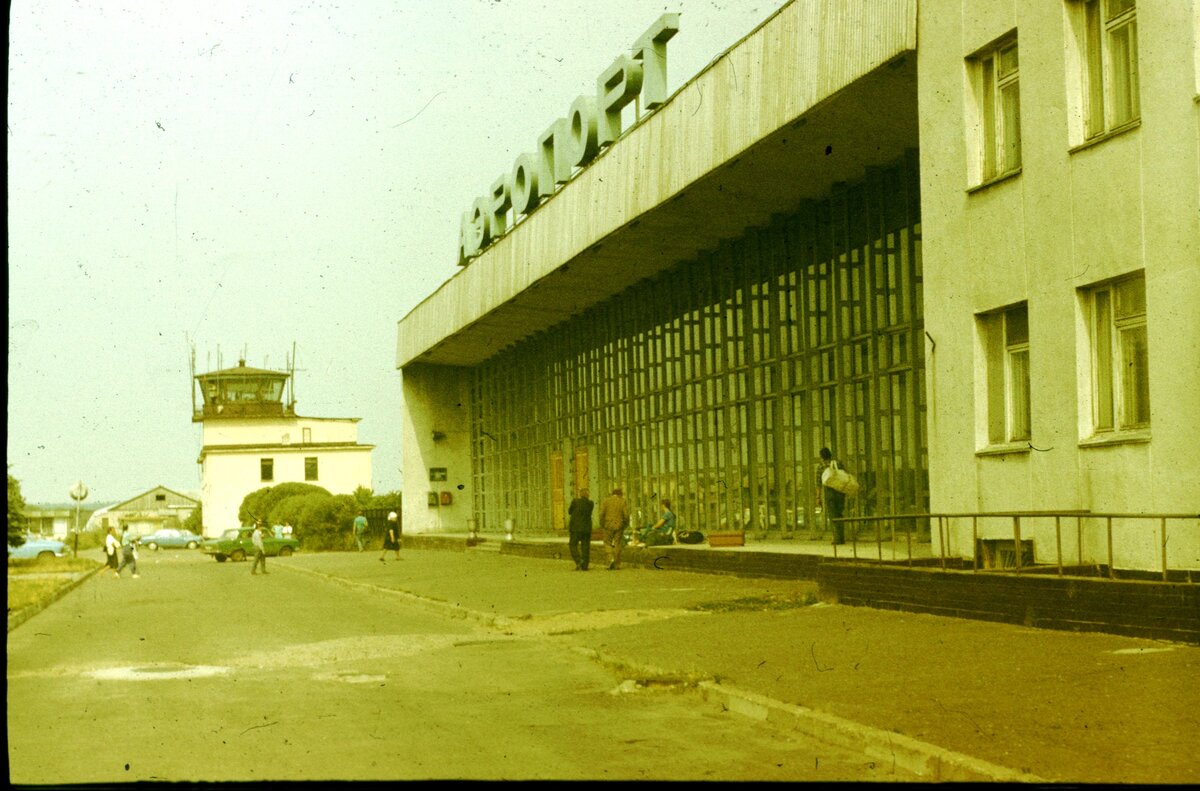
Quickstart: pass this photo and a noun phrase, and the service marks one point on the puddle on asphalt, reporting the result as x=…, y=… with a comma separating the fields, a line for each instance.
x=1141, y=650
x=156, y=672
x=350, y=678
x=346, y=649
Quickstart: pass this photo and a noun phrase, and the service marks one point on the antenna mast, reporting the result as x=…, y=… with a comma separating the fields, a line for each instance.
x=191, y=370
x=292, y=379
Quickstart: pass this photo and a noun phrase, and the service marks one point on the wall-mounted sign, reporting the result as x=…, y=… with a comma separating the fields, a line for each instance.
x=592, y=123
x=437, y=473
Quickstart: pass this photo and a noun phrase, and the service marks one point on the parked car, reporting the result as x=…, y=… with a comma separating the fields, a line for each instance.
x=172, y=538
x=40, y=548
x=237, y=544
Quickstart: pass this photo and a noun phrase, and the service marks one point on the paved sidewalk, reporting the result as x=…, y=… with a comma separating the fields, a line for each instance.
x=951, y=698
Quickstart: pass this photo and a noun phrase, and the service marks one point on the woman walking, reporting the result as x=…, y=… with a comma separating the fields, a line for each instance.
x=112, y=548
x=391, y=538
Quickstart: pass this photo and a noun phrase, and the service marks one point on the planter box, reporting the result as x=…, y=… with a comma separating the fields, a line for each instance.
x=726, y=539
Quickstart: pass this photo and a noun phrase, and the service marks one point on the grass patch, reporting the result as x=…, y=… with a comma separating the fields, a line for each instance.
x=25, y=589
x=761, y=603
x=50, y=565
x=24, y=592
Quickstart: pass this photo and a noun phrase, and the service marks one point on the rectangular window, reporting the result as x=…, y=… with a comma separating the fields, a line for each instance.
x=1120, y=375
x=996, y=80
x=306, y=436
x=1006, y=342
x=266, y=468
x=1106, y=32
x=310, y=468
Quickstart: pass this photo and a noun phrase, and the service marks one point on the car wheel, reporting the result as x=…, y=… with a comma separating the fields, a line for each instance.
x=192, y=545
x=221, y=558
x=152, y=546
x=47, y=555
x=285, y=552
x=237, y=555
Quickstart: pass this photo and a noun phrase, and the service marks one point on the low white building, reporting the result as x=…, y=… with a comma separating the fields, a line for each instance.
x=251, y=439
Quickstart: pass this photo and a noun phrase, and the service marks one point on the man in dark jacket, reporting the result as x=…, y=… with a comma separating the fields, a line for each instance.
x=580, y=528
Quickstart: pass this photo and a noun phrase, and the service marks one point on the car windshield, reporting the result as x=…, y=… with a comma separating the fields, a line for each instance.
x=231, y=533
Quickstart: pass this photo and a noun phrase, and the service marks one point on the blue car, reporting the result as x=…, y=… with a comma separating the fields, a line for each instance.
x=39, y=548
x=170, y=538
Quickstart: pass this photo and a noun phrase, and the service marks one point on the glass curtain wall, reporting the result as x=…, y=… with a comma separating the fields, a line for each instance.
x=716, y=383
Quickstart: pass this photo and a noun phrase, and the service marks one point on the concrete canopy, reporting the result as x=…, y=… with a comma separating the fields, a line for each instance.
x=815, y=96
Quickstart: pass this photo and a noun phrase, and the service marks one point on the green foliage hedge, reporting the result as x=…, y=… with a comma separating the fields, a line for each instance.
x=320, y=520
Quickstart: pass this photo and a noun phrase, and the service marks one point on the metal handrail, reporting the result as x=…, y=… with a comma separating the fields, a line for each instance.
x=942, y=520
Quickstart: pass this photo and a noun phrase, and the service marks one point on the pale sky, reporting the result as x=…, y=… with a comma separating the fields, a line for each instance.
x=249, y=176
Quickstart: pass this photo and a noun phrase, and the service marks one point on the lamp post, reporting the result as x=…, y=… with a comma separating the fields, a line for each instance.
x=78, y=493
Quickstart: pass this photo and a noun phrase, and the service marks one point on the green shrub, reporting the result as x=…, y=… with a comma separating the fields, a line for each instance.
x=323, y=522
x=260, y=503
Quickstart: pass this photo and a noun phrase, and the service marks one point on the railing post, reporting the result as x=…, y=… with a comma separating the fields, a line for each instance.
x=1017, y=542
x=879, y=539
x=1058, y=541
x=1164, y=547
x=974, y=542
x=854, y=542
x=1079, y=538
x=942, y=539
x=1112, y=575
x=908, y=537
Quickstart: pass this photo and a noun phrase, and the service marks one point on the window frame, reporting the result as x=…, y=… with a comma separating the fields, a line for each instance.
x=1108, y=327
x=266, y=470
x=1100, y=26
x=314, y=462
x=995, y=156
x=1000, y=389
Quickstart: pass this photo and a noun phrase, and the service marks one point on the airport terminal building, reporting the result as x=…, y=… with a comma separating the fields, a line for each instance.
x=970, y=266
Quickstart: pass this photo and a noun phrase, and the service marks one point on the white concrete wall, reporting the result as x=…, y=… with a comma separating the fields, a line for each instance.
x=1067, y=221
x=229, y=476
x=233, y=449
x=283, y=431
x=436, y=398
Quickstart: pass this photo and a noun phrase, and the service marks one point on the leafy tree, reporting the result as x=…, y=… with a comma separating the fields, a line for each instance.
x=323, y=522
x=259, y=503
x=195, y=522
x=17, y=522
x=390, y=501
x=362, y=497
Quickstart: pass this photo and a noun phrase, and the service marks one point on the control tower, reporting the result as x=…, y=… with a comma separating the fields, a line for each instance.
x=252, y=439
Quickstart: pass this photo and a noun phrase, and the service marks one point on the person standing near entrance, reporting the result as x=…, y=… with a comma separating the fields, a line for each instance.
x=580, y=528
x=391, y=538
x=360, y=530
x=835, y=501
x=614, y=518
x=260, y=552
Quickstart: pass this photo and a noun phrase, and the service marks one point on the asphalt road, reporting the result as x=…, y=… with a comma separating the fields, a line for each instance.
x=199, y=671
